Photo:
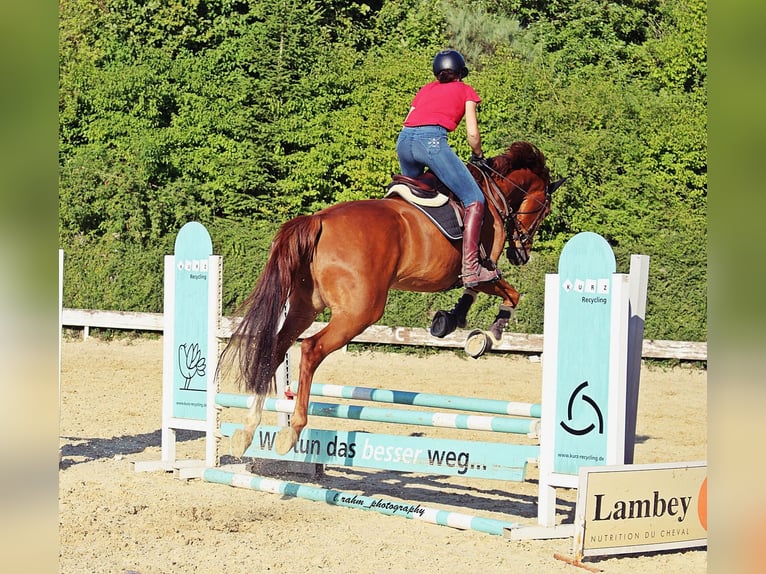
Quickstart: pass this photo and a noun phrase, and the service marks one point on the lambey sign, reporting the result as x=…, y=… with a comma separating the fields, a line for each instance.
x=639, y=508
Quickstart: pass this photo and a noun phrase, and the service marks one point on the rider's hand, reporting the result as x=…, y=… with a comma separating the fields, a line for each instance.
x=479, y=161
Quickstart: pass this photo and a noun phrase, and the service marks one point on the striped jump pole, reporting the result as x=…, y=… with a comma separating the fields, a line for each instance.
x=350, y=500
x=399, y=416
x=453, y=402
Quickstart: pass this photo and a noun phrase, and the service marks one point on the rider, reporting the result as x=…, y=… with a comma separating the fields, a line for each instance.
x=437, y=109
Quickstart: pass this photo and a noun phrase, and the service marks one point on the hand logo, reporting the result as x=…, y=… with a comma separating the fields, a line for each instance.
x=190, y=363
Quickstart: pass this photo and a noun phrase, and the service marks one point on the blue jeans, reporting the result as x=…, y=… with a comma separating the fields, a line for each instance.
x=427, y=146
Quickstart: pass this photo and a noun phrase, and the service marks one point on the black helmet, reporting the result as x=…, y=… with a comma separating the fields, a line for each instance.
x=450, y=60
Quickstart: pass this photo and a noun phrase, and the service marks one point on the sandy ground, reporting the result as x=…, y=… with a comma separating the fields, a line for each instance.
x=114, y=520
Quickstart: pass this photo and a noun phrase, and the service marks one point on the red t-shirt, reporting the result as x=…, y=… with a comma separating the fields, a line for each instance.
x=441, y=105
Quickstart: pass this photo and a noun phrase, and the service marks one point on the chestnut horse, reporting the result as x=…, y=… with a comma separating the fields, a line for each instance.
x=348, y=256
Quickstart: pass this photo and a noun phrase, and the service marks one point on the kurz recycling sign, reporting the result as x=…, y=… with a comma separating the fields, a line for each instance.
x=193, y=248
x=585, y=364
x=586, y=268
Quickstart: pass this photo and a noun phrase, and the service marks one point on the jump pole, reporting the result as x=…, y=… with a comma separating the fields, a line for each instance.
x=351, y=500
x=489, y=406
x=512, y=425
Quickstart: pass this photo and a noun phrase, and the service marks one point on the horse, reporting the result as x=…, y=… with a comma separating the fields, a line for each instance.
x=348, y=256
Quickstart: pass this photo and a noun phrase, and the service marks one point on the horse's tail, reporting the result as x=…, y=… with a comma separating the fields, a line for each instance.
x=255, y=339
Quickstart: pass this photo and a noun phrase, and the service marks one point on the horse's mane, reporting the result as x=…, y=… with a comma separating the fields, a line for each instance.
x=522, y=155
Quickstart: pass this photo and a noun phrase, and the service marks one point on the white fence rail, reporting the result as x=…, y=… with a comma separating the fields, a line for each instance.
x=512, y=342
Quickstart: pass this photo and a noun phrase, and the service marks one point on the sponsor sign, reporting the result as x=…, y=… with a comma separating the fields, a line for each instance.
x=446, y=457
x=586, y=267
x=585, y=369
x=628, y=509
x=191, y=356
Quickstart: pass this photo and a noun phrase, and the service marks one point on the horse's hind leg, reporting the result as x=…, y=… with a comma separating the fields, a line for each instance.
x=298, y=319
x=339, y=331
x=242, y=438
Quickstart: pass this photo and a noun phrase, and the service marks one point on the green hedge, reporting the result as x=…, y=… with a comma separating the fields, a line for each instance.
x=242, y=115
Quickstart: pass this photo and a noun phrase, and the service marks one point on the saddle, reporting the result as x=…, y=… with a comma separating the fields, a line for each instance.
x=433, y=198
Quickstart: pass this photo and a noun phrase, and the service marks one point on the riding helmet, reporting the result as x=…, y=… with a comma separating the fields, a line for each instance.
x=450, y=60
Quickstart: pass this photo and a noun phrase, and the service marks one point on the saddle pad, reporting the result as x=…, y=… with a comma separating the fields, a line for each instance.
x=443, y=216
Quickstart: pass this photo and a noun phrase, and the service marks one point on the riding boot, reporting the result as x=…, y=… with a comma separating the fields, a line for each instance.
x=473, y=272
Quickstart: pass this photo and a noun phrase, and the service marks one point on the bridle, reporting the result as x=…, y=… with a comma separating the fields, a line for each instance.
x=520, y=240
x=519, y=237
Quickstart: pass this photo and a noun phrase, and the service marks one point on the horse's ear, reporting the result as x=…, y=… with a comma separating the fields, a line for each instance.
x=556, y=184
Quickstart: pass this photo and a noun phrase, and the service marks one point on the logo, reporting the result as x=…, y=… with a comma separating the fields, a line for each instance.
x=191, y=363
x=570, y=413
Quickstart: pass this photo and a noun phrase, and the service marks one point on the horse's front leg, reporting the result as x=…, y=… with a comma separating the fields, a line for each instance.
x=504, y=314
x=478, y=341
x=445, y=322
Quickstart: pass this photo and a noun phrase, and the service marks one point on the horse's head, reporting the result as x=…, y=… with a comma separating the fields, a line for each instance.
x=518, y=184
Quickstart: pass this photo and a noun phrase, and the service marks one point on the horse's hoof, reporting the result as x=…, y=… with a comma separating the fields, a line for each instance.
x=477, y=343
x=286, y=439
x=443, y=324
x=495, y=339
x=240, y=442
